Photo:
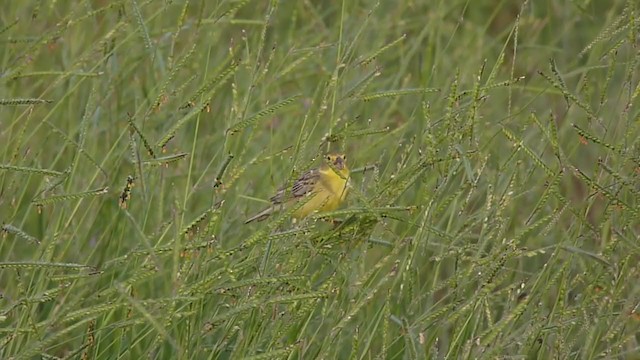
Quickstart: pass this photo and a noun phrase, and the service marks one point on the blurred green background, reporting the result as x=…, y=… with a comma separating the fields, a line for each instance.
x=495, y=178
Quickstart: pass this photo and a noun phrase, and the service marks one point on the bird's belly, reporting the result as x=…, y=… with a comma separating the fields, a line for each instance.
x=320, y=202
x=329, y=197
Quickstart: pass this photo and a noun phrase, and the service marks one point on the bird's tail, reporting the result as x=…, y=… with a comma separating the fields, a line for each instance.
x=261, y=215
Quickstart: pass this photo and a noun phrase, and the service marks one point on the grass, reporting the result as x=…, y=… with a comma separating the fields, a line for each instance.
x=494, y=210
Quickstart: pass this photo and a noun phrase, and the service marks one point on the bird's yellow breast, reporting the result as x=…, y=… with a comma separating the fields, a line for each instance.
x=328, y=193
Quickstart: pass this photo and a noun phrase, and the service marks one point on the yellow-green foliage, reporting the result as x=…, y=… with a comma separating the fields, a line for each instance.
x=493, y=209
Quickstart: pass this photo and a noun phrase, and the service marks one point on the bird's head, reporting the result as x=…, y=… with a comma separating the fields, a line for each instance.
x=337, y=161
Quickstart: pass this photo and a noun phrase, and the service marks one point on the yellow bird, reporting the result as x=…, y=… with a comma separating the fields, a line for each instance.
x=327, y=187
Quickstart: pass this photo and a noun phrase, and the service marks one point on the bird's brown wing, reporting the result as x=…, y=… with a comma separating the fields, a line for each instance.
x=300, y=188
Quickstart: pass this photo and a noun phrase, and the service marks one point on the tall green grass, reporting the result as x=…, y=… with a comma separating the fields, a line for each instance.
x=494, y=208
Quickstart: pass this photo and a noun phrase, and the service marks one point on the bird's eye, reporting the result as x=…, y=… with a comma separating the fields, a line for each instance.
x=344, y=157
x=329, y=158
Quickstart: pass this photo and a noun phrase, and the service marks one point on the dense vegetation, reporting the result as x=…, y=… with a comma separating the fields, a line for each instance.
x=495, y=156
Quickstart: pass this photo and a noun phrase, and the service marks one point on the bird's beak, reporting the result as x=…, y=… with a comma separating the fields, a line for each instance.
x=339, y=163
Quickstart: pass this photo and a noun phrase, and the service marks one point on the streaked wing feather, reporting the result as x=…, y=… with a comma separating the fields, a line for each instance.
x=301, y=187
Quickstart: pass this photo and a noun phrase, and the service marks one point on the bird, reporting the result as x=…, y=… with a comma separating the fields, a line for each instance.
x=322, y=189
